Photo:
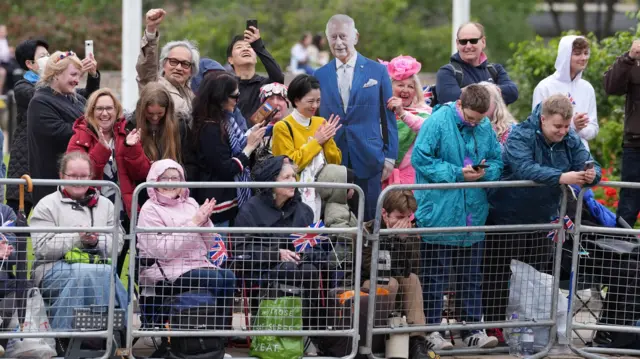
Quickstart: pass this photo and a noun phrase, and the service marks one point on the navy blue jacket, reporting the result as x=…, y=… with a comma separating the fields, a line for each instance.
x=447, y=87
x=528, y=156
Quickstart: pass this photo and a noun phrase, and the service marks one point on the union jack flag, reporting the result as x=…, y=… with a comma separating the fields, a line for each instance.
x=218, y=252
x=302, y=241
x=568, y=225
x=573, y=102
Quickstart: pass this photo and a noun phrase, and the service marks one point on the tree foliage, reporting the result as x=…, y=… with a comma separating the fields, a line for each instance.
x=534, y=60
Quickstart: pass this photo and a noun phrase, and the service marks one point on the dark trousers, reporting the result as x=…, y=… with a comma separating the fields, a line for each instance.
x=629, y=204
x=533, y=248
x=306, y=277
x=372, y=188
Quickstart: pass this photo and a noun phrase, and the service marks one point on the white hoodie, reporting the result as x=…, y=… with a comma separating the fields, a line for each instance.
x=578, y=90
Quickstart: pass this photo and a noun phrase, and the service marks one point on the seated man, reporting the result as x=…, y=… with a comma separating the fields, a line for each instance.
x=456, y=144
x=404, y=250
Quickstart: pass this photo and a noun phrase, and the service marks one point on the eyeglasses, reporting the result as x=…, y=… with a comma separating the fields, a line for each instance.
x=235, y=96
x=169, y=179
x=77, y=177
x=174, y=62
x=65, y=55
x=466, y=41
x=108, y=109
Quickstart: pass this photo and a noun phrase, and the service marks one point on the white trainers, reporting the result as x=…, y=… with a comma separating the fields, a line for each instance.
x=436, y=342
x=480, y=339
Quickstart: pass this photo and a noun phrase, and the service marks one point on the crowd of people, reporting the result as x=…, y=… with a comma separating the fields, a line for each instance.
x=348, y=120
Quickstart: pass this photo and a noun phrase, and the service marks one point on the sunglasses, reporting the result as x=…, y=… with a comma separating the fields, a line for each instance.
x=174, y=62
x=466, y=41
x=235, y=96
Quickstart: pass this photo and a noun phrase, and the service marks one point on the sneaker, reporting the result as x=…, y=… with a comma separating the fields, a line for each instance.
x=480, y=339
x=436, y=342
x=418, y=349
x=496, y=332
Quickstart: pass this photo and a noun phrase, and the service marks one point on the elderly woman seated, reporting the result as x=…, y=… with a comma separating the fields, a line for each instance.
x=187, y=261
x=273, y=257
x=74, y=269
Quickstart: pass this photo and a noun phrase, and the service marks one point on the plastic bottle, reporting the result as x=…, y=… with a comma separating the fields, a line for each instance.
x=513, y=338
x=526, y=341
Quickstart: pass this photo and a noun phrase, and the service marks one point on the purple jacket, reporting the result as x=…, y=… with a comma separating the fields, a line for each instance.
x=176, y=253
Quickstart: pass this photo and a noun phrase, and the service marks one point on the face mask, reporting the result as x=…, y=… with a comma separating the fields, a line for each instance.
x=42, y=63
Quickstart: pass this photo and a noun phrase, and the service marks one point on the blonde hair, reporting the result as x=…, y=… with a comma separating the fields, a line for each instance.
x=57, y=64
x=72, y=156
x=418, y=98
x=91, y=106
x=557, y=104
x=502, y=119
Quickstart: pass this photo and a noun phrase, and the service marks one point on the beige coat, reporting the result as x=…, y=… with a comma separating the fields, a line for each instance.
x=55, y=210
x=148, y=70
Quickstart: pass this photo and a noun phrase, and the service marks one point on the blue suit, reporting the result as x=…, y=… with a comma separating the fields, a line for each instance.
x=369, y=133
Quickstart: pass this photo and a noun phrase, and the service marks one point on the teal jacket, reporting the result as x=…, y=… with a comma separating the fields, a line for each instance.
x=444, y=145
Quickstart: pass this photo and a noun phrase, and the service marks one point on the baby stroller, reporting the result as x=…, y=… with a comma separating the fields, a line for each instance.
x=607, y=263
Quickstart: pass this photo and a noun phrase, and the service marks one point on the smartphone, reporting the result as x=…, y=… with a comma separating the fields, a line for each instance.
x=253, y=23
x=589, y=165
x=479, y=166
x=88, y=48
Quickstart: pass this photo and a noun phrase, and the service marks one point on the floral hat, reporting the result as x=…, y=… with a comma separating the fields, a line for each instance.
x=402, y=67
x=272, y=89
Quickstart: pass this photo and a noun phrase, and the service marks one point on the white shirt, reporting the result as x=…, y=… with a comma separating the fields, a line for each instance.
x=348, y=77
x=304, y=121
x=5, y=54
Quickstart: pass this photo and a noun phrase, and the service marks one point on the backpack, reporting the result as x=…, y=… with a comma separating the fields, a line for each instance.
x=192, y=310
x=429, y=91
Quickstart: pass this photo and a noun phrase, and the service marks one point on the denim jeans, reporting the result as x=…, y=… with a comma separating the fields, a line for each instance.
x=78, y=285
x=221, y=282
x=629, y=203
x=437, y=261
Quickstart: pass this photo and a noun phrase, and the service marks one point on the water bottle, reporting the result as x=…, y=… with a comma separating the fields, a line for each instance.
x=513, y=335
x=526, y=341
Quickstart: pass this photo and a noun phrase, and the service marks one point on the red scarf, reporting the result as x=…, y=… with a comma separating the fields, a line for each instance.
x=89, y=200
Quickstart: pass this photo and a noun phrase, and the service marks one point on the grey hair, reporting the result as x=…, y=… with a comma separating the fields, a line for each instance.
x=193, y=49
x=341, y=19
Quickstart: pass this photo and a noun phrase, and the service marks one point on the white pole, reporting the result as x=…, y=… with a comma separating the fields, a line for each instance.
x=461, y=14
x=131, y=35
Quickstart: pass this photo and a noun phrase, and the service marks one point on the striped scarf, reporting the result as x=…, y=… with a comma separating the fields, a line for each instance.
x=237, y=141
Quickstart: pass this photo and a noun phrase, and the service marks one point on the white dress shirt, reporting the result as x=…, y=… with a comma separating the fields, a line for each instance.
x=345, y=78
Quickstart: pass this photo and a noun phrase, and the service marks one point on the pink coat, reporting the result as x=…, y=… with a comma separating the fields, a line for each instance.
x=404, y=173
x=176, y=253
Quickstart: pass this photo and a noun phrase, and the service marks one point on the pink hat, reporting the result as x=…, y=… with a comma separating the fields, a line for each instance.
x=402, y=67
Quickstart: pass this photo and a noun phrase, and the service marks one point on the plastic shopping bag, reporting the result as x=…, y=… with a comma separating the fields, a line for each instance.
x=35, y=321
x=530, y=295
x=284, y=313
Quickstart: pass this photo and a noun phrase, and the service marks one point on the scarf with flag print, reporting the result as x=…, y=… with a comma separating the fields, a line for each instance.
x=237, y=142
x=568, y=225
x=406, y=136
x=303, y=241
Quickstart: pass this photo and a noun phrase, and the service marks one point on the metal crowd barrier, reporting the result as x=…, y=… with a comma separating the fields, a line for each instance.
x=90, y=322
x=605, y=260
x=534, y=233
x=328, y=285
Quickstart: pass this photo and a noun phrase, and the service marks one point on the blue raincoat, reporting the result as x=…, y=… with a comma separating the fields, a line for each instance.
x=444, y=145
x=528, y=156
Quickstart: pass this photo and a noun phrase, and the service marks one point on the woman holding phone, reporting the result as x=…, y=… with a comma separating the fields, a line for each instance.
x=221, y=148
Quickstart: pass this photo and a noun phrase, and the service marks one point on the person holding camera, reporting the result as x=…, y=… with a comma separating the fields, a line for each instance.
x=401, y=274
x=456, y=145
x=242, y=54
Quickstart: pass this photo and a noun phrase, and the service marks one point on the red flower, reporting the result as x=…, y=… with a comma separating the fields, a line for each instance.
x=610, y=192
x=615, y=204
x=604, y=178
x=602, y=202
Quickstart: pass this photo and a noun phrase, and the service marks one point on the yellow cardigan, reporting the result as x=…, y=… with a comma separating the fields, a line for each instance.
x=302, y=148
